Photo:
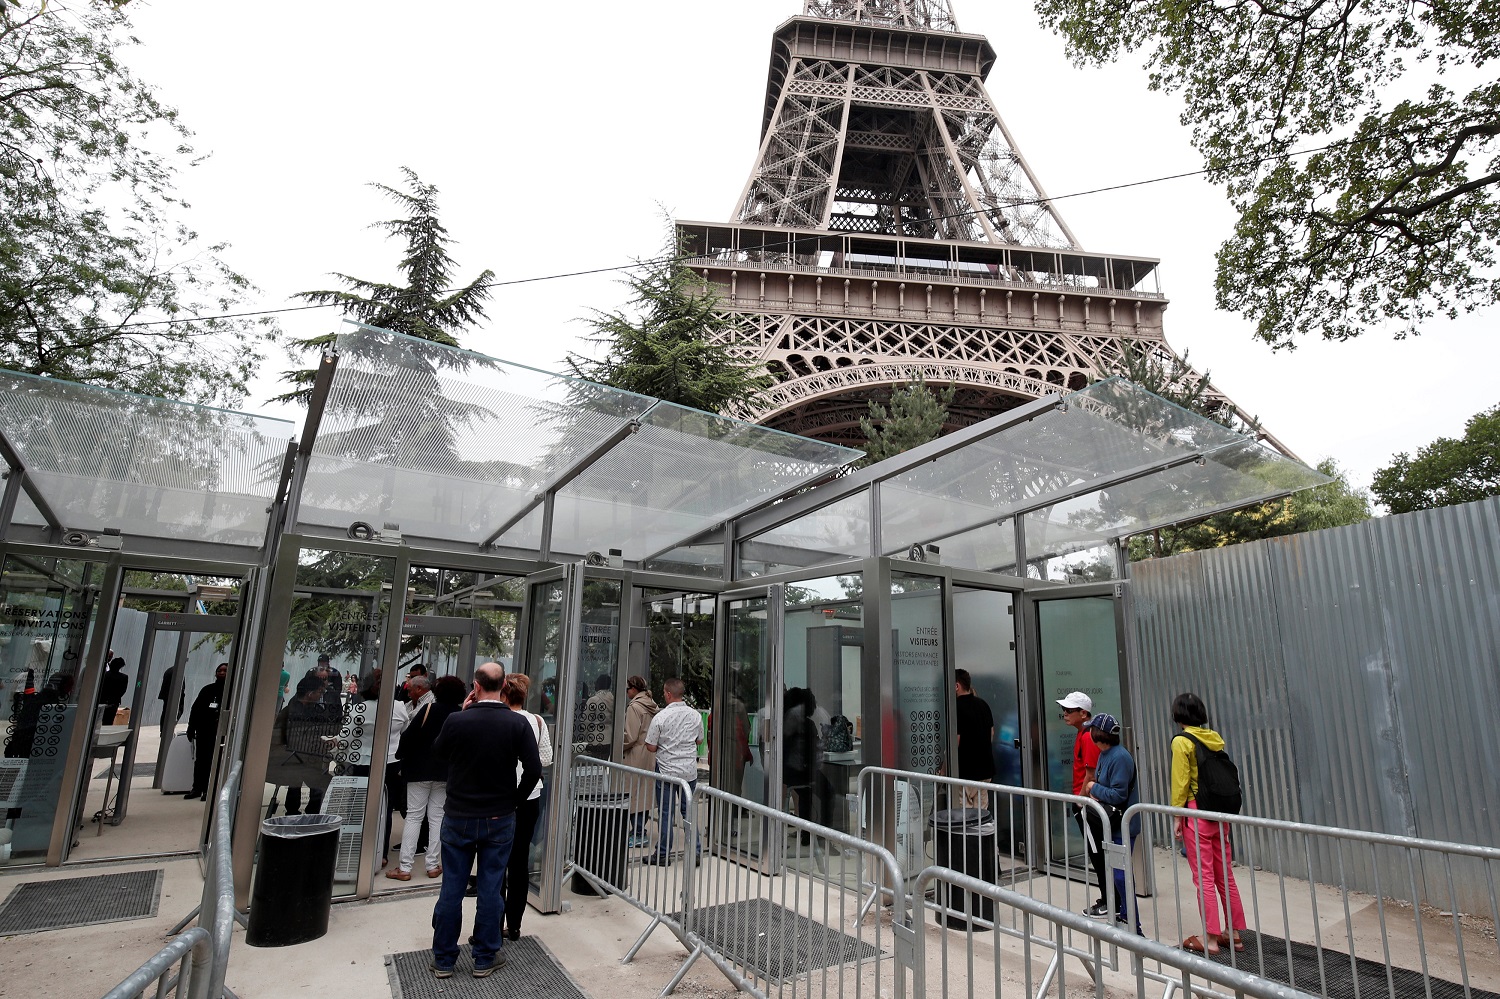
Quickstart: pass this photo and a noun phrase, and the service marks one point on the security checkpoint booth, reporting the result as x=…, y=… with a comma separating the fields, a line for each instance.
x=446, y=507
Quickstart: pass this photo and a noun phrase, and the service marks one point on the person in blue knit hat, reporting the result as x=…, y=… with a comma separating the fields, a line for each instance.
x=1115, y=787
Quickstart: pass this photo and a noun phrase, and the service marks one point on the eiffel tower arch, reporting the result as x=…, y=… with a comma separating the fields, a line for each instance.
x=891, y=229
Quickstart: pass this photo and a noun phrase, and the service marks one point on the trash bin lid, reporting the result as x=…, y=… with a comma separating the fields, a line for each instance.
x=296, y=826
x=961, y=819
x=603, y=799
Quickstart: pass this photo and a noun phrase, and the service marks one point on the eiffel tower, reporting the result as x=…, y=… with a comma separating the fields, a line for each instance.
x=891, y=229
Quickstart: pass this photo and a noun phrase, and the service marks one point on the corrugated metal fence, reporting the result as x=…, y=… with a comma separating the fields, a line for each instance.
x=1354, y=672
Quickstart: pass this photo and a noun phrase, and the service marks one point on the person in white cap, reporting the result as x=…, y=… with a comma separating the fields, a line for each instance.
x=1078, y=708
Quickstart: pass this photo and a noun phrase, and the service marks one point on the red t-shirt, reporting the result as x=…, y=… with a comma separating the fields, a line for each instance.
x=1085, y=757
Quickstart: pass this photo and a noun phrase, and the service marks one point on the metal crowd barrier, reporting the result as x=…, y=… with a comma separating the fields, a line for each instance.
x=1391, y=926
x=973, y=960
x=920, y=814
x=772, y=900
x=601, y=856
x=778, y=905
x=194, y=963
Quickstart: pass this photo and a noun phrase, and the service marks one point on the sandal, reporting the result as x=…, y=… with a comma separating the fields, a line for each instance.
x=1195, y=945
x=1223, y=938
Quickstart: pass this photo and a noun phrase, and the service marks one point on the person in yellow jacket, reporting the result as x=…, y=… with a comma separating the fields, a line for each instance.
x=1208, y=849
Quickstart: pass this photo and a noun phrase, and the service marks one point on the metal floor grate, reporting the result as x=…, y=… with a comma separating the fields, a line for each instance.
x=531, y=972
x=1296, y=964
x=139, y=770
x=774, y=941
x=35, y=906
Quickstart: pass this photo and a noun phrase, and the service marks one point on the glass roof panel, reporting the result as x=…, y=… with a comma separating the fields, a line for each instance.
x=149, y=467
x=1227, y=479
x=452, y=445
x=839, y=530
x=681, y=472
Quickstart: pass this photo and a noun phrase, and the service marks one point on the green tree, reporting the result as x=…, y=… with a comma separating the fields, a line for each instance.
x=1445, y=472
x=1394, y=218
x=1334, y=504
x=91, y=232
x=424, y=305
x=915, y=416
x=669, y=341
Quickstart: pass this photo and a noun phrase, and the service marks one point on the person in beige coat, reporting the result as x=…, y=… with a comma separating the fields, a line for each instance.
x=638, y=713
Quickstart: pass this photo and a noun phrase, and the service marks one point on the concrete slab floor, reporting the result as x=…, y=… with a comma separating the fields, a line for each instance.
x=347, y=963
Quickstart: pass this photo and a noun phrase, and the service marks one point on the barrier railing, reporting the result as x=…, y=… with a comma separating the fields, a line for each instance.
x=1405, y=936
x=772, y=900
x=984, y=830
x=608, y=853
x=194, y=963
x=970, y=959
x=777, y=905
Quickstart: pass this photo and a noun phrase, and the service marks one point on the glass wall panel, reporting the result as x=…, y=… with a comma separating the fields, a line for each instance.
x=921, y=672
x=457, y=619
x=839, y=530
x=742, y=740
x=984, y=643
x=678, y=641
x=47, y=607
x=321, y=741
x=544, y=651
x=597, y=687
x=1079, y=650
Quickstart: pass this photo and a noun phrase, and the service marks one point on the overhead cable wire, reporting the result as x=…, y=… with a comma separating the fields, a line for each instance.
x=967, y=213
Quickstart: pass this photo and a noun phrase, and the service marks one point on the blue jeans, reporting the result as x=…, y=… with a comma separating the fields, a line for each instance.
x=669, y=799
x=462, y=839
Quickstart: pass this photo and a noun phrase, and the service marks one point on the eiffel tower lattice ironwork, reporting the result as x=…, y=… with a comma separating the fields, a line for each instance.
x=891, y=229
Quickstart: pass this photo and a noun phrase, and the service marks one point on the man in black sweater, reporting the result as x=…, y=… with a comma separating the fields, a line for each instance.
x=482, y=745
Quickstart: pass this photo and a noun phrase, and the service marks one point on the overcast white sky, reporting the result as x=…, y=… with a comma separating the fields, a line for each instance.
x=554, y=132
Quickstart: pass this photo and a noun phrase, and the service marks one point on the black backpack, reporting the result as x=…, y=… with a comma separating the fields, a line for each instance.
x=1218, y=780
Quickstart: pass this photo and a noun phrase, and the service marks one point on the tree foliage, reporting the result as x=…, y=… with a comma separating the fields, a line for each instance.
x=91, y=232
x=424, y=304
x=916, y=415
x=669, y=341
x=1445, y=472
x=1394, y=218
x=1334, y=504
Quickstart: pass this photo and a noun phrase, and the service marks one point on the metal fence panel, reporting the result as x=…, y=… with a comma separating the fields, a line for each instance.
x=1351, y=671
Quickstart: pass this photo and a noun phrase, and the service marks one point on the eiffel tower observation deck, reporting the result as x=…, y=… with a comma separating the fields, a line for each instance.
x=891, y=229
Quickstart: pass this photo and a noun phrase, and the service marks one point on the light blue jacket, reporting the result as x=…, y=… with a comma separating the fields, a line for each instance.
x=1115, y=783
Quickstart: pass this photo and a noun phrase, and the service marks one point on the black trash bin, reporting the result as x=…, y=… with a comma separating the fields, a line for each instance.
x=293, y=880
x=964, y=840
x=601, y=826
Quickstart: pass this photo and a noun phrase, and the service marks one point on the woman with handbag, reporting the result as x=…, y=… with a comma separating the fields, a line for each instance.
x=638, y=714
x=1114, y=787
x=518, y=870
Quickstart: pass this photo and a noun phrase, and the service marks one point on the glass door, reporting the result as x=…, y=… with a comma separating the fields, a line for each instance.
x=549, y=624
x=1080, y=646
x=744, y=752
x=47, y=611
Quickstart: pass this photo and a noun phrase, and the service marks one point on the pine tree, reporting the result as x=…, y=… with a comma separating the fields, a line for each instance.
x=425, y=305
x=916, y=416
x=669, y=341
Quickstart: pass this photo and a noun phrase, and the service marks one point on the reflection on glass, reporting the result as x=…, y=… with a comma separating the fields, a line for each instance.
x=679, y=642
x=594, y=709
x=544, y=649
x=984, y=643
x=822, y=723
x=1079, y=651
x=321, y=750
x=46, y=609
x=457, y=620
x=740, y=741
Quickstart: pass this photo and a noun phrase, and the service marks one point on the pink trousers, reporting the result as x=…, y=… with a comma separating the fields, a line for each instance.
x=1208, y=857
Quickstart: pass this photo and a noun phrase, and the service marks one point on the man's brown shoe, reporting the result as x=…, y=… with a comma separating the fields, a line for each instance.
x=398, y=875
x=436, y=872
